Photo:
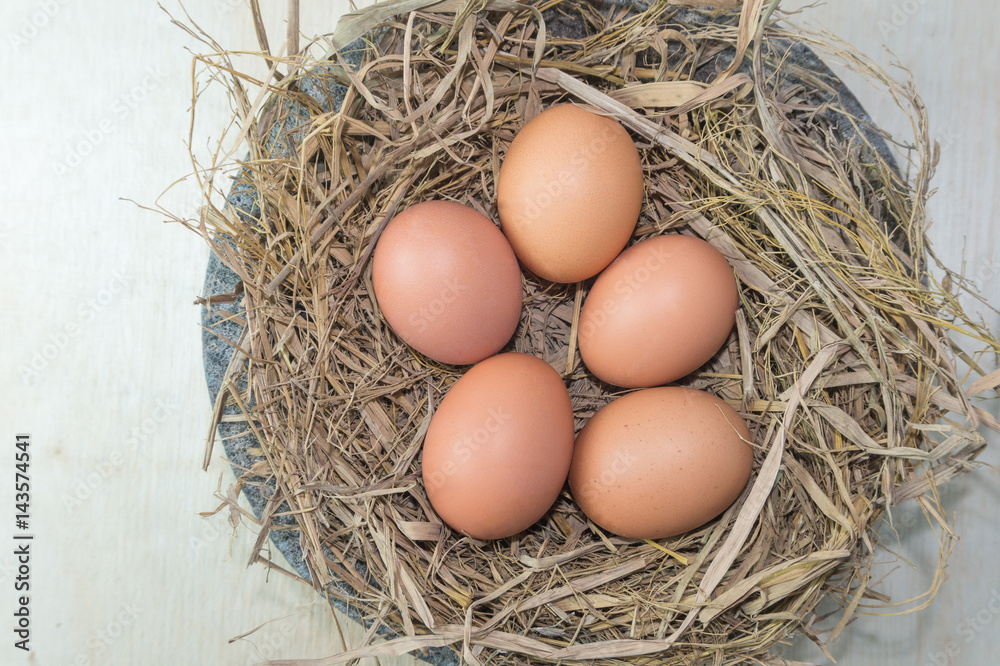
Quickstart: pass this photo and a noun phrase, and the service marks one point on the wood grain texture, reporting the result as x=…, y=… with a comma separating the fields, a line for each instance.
x=102, y=361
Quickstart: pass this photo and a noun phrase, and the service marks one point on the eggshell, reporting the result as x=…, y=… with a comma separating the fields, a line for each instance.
x=447, y=282
x=569, y=193
x=660, y=311
x=498, y=448
x=660, y=462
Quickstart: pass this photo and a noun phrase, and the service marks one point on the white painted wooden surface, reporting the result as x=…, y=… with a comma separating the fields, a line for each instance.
x=98, y=295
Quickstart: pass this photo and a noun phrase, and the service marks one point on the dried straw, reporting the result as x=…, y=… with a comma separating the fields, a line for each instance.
x=844, y=360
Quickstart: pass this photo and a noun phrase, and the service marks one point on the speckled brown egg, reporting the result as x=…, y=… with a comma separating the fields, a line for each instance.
x=660, y=462
x=569, y=193
x=447, y=282
x=498, y=448
x=660, y=311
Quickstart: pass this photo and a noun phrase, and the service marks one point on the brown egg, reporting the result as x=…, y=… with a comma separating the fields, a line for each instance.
x=447, y=282
x=660, y=462
x=660, y=311
x=569, y=193
x=498, y=448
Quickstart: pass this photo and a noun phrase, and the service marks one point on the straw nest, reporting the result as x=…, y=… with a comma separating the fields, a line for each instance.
x=844, y=360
